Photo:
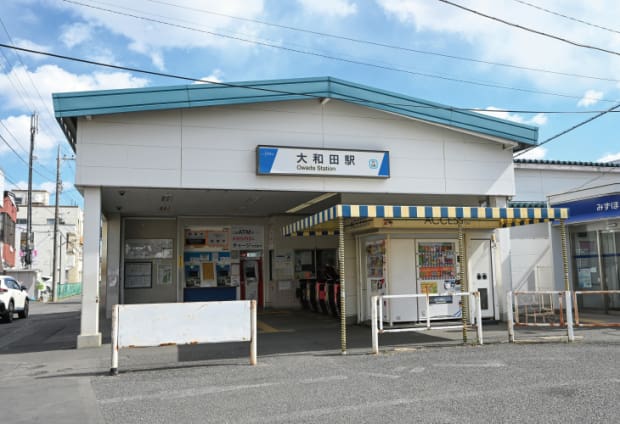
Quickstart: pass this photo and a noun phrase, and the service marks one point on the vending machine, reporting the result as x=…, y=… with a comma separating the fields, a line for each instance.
x=437, y=273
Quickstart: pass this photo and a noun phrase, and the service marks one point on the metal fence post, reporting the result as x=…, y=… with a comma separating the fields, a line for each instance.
x=478, y=316
x=114, y=366
x=569, y=317
x=253, y=342
x=509, y=310
x=428, y=311
x=375, y=330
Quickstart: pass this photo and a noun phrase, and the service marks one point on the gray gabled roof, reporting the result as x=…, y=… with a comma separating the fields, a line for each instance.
x=69, y=106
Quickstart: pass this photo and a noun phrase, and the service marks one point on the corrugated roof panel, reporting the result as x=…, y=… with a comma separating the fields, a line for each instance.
x=71, y=105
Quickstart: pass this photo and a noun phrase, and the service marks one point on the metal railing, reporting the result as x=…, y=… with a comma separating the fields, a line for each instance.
x=377, y=316
x=540, y=311
x=592, y=292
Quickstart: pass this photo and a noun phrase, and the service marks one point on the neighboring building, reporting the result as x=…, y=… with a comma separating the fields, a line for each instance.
x=196, y=193
x=69, y=247
x=7, y=230
x=8, y=217
x=591, y=192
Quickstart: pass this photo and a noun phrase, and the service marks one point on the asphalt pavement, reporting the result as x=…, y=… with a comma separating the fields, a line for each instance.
x=302, y=377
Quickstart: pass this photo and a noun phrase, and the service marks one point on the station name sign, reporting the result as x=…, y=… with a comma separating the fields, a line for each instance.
x=304, y=161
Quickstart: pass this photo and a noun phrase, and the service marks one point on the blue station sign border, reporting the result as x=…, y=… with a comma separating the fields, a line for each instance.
x=267, y=162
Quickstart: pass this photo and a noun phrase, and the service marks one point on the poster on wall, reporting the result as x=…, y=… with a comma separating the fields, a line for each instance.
x=164, y=274
x=283, y=265
x=138, y=275
x=148, y=249
x=207, y=238
x=247, y=237
x=585, y=278
x=375, y=258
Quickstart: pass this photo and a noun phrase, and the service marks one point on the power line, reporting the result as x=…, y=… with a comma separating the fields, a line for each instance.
x=384, y=45
x=304, y=52
x=14, y=138
x=574, y=127
x=271, y=90
x=534, y=31
x=34, y=86
x=571, y=18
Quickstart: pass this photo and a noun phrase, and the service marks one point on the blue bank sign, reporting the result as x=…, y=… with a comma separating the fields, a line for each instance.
x=604, y=207
x=304, y=161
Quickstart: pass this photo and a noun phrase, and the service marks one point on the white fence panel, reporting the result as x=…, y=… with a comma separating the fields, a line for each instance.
x=165, y=324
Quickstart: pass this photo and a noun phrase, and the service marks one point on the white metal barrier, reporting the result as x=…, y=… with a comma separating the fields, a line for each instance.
x=166, y=324
x=541, y=310
x=377, y=316
x=592, y=292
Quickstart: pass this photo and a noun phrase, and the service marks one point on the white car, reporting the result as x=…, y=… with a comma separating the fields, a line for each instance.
x=13, y=298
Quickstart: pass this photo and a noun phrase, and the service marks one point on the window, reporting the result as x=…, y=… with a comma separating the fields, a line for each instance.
x=22, y=221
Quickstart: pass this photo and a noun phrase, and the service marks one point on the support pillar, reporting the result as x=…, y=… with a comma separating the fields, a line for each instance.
x=464, y=285
x=343, y=314
x=564, y=255
x=113, y=263
x=89, y=323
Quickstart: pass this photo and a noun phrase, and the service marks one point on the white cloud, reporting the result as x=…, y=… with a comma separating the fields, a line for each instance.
x=49, y=186
x=20, y=185
x=16, y=130
x=215, y=76
x=536, y=153
x=51, y=78
x=48, y=79
x=496, y=42
x=538, y=119
x=610, y=157
x=152, y=38
x=27, y=44
x=76, y=34
x=337, y=8
x=591, y=97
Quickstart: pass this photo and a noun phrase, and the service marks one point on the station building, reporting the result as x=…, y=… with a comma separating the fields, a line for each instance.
x=254, y=190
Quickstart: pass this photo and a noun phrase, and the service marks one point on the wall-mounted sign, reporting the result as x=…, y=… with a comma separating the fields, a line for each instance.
x=304, y=161
x=604, y=207
x=247, y=237
x=207, y=238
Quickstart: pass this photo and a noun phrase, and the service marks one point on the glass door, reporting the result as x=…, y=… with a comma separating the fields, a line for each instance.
x=610, y=258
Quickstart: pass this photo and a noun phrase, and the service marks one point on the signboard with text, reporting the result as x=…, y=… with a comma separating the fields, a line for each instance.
x=304, y=161
x=604, y=207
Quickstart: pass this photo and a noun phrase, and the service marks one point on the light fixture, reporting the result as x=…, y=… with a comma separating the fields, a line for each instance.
x=324, y=100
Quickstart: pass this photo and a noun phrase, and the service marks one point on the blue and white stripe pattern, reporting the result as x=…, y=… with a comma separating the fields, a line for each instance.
x=504, y=217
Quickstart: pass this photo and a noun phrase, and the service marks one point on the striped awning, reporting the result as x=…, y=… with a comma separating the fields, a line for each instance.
x=326, y=222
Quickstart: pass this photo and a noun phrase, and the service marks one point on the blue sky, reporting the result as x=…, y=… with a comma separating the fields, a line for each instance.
x=423, y=48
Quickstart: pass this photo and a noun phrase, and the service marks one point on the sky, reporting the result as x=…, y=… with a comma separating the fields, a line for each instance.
x=552, y=64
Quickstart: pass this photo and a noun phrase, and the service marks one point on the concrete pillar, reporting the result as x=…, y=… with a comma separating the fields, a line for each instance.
x=89, y=325
x=113, y=262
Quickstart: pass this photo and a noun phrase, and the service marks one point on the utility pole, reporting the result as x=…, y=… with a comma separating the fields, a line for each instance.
x=34, y=121
x=58, y=190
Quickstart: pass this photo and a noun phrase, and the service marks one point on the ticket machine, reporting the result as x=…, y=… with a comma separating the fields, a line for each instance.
x=251, y=277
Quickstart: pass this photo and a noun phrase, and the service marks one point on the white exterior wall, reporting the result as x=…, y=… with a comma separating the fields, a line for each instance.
x=186, y=148
x=535, y=182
